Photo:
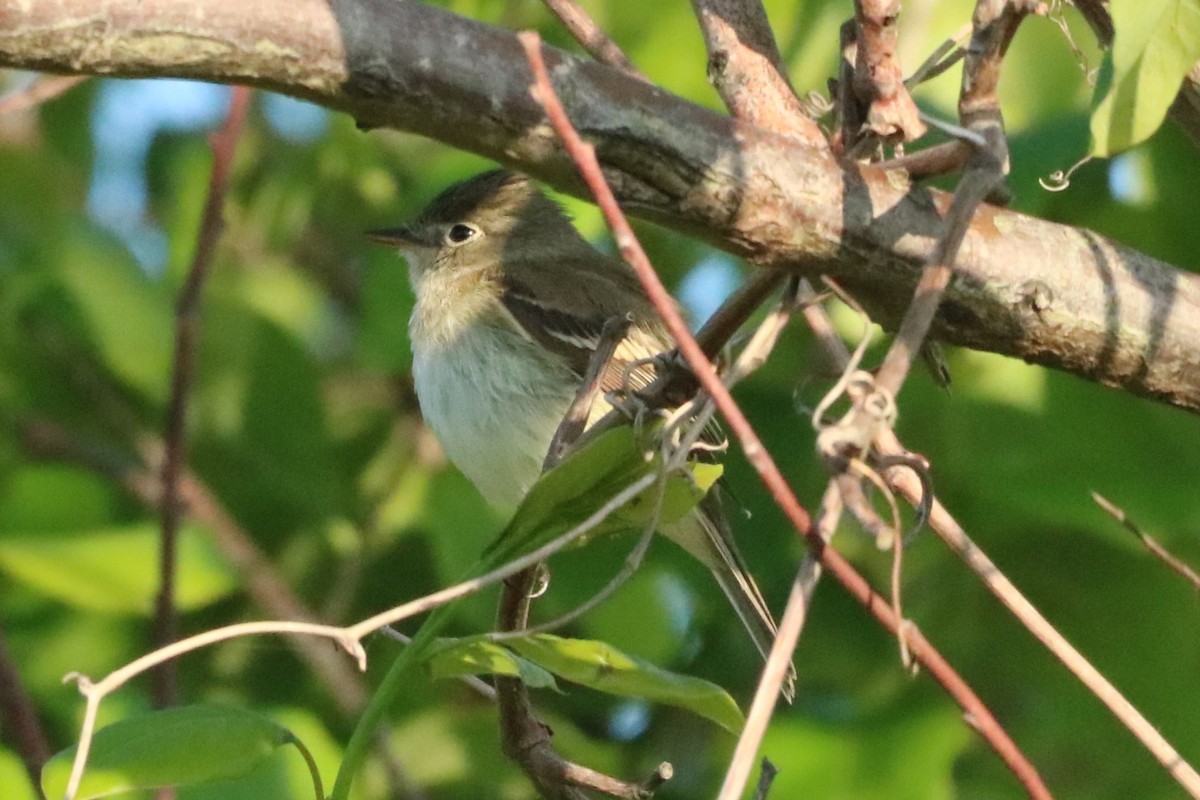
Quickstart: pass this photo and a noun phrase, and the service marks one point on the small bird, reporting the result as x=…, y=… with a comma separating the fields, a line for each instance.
x=511, y=302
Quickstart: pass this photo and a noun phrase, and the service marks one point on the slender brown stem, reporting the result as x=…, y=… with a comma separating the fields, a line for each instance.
x=1151, y=544
x=265, y=586
x=19, y=718
x=995, y=22
x=524, y=738
x=733, y=313
x=187, y=327
x=756, y=453
x=591, y=37
x=950, y=532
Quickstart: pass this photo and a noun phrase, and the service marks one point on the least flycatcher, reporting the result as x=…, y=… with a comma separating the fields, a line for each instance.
x=511, y=302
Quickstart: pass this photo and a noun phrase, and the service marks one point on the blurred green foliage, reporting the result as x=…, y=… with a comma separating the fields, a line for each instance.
x=303, y=425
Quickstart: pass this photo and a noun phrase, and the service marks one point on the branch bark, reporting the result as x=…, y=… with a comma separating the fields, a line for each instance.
x=1048, y=293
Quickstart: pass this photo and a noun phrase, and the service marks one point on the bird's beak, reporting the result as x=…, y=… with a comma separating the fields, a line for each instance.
x=394, y=237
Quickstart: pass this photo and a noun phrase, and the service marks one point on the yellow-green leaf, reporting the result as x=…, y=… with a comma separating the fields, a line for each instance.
x=175, y=747
x=601, y=666
x=1156, y=43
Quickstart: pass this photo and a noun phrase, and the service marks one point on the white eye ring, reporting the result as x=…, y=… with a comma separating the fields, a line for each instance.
x=461, y=233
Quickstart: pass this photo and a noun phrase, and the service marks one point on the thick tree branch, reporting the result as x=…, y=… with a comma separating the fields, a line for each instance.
x=1048, y=293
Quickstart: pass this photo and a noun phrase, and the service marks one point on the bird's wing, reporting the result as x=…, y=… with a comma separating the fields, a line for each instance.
x=574, y=334
x=570, y=323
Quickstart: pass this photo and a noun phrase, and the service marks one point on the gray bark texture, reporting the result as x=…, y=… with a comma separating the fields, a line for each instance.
x=1048, y=293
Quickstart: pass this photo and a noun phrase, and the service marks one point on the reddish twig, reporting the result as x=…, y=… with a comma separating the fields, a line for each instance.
x=908, y=483
x=591, y=37
x=1160, y=552
x=718, y=329
x=747, y=70
x=950, y=532
x=795, y=614
x=19, y=717
x=758, y=456
x=187, y=324
x=44, y=88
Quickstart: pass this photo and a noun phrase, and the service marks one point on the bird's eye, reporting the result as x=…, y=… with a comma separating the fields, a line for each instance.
x=460, y=233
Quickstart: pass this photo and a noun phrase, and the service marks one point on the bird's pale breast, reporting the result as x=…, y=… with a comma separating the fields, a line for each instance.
x=492, y=397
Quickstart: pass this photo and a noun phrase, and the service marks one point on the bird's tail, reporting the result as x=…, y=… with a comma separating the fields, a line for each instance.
x=706, y=535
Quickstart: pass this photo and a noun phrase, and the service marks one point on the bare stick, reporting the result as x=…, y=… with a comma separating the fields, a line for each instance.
x=950, y=532
x=776, y=669
x=752, y=446
x=588, y=33
x=19, y=717
x=913, y=487
x=266, y=588
x=944, y=56
x=524, y=738
x=995, y=22
x=766, y=777
x=632, y=562
x=575, y=420
x=891, y=115
x=1163, y=555
x=718, y=329
x=349, y=637
x=47, y=87
x=187, y=328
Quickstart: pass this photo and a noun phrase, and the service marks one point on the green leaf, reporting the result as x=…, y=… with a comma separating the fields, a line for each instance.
x=115, y=569
x=31, y=499
x=1156, y=43
x=14, y=778
x=599, y=665
x=456, y=658
x=127, y=318
x=175, y=747
x=257, y=411
x=589, y=477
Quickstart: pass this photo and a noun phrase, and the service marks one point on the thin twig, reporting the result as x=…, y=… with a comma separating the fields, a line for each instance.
x=758, y=456
x=45, y=88
x=630, y=565
x=719, y=328
x=19, y=717
x=914, y=487
x=265, y=586
x=950, y=532
x=575, y=420
x=187, y=328
x=944, y=56
x=1163, y=555
x=766, y=777
x=994, y=24
x=524, y=738
x=589, y=34
x=795, y=614
x=348, y=637
x=479, y=686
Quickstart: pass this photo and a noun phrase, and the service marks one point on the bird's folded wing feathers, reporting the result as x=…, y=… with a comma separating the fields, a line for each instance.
x=574, y=337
